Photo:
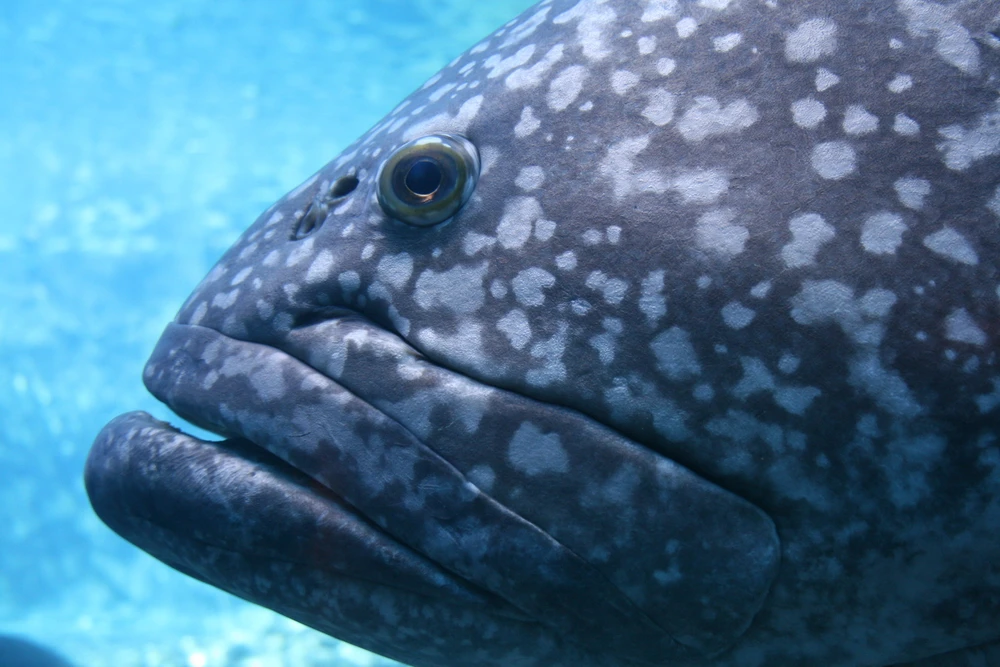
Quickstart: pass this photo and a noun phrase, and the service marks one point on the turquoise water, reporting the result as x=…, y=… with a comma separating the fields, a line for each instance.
x=137, y=140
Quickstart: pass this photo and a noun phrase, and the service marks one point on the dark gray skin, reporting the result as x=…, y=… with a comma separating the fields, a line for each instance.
x=703, y=374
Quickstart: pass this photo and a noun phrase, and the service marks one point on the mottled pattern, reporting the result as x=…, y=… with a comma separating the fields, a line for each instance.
x=704, y=374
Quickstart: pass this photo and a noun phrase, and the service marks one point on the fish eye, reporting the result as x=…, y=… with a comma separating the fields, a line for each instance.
x=426, y=181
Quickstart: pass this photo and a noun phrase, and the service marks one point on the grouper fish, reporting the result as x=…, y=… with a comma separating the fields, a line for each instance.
x=646, y=333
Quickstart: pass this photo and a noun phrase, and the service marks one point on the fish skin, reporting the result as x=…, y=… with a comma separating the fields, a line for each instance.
x=703, y=374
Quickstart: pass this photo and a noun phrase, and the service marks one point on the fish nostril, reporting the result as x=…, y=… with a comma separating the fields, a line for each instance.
x=343, y=186
x=313, y=218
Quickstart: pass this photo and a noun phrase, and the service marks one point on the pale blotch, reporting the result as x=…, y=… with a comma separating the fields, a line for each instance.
x=912, y=191
x=825, y=79
x=657, y=10
x=960, y=328
x=566, y=87
x=808, y=113
x=665, y=66
x=527, y=124
x=675, y=355
x=566, y=261
x=652, y=303
x=530, y=178
x=533, y=452
x=515, y=327
x=459, y=289
x=905, y=125
x=544, y=229
x=833, y=159
x=519, y=216
x=950, y=244
x=612, y=289
x=395, y=269
x=700, y=186
x=761, y=289
x=882, y=233
x=618, y=165
x=900, y=83
x=474, y=242
x=499, y=66
x=963, y=147
x=646, y=45
x=954, y=43
x=445, y=122
x=623, y=80
x=686, y=27
x=809, y=232
x=858, y=121
x=530, y=284
x=594, y=20
x=707, y=118
x=660, y=109
x=715, y=232
x=810, y=41
x=737, y=316
x=727, y=43
x=531, y=77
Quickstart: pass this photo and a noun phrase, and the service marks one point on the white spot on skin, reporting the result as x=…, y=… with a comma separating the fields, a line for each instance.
x=994, y=203
x=833, y=159
x=825, y=79
x=963, y=147
x=544, y=229
x=727, y=43
x=660, y=109
x=613, y=289
x=300, y=253
x=647, y=45
x=857, y=121
x=905, y=126
x=960, y=328
x=519, y=216
x=531, y=77
x=788, y=363
x=810, y=41
x=566, y=87
x=675, y=356
x=459, y=289
x=395, y=270
x=736, y=315
x=652, y=303
x=702, y=186
x=530, y=178
x=808, y=113
x=657, y=10
x=514, y=325
x=761, y=289
x=533, y=453
x=954, y=44
x=686, y=27
x=900, y=83
x=499, y=66
x=498, y=289
x=551, y=352
x=716, y=233
x=950, y=244
x=527, y=124
x=225, y=300
x=566, y=261
x=618, y=165
x=912, y=191
x=664, y=66
x=199, y=313
x=708, y=118
x=613, y=234
x=882, y=233
x=809, y=232
x=474, y=242
x=622, y=81
x=795, y=400
x=444, y=122
x=594, y=20
x=529, y=286
x=604, y=343
x=320, y=268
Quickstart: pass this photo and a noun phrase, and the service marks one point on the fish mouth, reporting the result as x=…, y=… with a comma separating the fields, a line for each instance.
x=408, y=509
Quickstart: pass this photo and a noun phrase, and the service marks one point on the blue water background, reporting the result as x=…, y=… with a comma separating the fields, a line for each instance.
x=137, y=140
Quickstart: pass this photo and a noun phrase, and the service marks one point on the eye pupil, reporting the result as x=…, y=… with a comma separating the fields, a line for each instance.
x=424, y=177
